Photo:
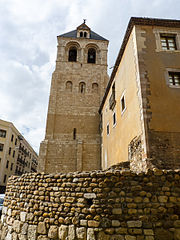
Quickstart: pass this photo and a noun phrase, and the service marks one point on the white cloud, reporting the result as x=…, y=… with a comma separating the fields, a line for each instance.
x=28, y=48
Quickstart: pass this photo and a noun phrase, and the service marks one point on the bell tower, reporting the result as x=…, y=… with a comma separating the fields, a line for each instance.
x=72, y=139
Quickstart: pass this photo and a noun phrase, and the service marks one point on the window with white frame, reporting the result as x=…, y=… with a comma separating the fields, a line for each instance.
x=174, y=79
x=168, y=42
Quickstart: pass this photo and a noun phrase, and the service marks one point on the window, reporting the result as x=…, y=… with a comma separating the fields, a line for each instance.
x=10, y=151
x=81, y=34
x=123, y=105
x=2, y=133
x=1, y=147
x=5, y=178
x=11, y=166
x=16, y=141
x=12, y=137
x=7, y=164
x=114, y=119
x=107, y=129
x=168, y=42
x=82, y=87
x=69, y=86
x=72, y=54
x=13, y=153
x=174, y=79
x=91, y=55
x=85, y=34
x=74, y=133
x=95, y=88
x=112, y=101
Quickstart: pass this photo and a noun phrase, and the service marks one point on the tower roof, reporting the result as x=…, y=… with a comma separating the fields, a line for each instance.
x=83, y=26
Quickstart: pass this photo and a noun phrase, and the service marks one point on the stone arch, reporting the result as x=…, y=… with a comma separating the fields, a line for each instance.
x=95, y=87
x=92, y=51
x=72, y=51
x=82, y=87
x=69, y=86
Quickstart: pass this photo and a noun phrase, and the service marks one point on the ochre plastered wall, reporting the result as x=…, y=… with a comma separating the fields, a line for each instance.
x=161, y=102
x=69, y=110
x=129, y=124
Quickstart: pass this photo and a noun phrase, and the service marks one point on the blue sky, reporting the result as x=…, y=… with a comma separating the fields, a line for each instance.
x=28, y=48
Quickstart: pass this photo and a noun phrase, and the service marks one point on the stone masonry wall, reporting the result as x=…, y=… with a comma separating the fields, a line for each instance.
x=98, y=205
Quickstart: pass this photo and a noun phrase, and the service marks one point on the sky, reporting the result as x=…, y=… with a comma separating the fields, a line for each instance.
x=28, y=47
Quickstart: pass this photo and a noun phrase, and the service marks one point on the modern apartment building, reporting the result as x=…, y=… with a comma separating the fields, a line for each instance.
x=16, y=154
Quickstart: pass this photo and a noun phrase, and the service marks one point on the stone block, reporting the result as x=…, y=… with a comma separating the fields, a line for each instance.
x=71, y=232
x=134, y=224
x=53, y=232
x=23, y=216
x=24, y=229
x=90, y=234
x=116, y=223
x=41, y=229
x=63, y=232
x=177, y=234
x=81, y=233
x=17, y=226
x=103, y=236
x=148, y=232
x=89, y=195
x=92, y=223
x=117, y=237
x=32, y=232
x=117, y=211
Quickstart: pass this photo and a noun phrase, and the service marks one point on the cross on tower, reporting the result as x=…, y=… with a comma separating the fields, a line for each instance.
x=84, y=21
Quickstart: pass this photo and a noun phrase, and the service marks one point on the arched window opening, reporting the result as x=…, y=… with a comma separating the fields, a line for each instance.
x=72, y=54
x=81, y=34
x=95, y=87
x=85, y=34
x=91, y=55
x=69, y=86
x=82, y=87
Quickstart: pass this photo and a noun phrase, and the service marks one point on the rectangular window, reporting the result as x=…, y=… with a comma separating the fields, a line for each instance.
x=10, y=151
x=16, y=141
x=114, y=119
x=174, y=79
x=1, y=147
x=12, y=137
x=7, y=164
x=11, y=166
x=13, y=153
x=168, y=42
x=2, y=133
x=107, y=129
x=112, y=100
x=5, y=178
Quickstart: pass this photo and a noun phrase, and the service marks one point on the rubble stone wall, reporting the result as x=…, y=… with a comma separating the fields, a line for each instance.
x=97, y=205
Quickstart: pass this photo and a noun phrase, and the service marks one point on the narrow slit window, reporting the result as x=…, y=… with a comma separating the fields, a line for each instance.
x=123, y=105
x=114, y=119
x=107, y=129
x=74, y=133
x=82, y=87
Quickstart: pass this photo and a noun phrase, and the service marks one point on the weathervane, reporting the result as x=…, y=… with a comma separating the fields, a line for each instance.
x=84, y=21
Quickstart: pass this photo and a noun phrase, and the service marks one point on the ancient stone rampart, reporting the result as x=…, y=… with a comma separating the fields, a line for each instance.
x=98, y=205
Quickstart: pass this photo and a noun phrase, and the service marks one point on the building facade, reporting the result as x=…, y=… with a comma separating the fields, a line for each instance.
x=16, y=154
x=140, y=110
x=72, y=139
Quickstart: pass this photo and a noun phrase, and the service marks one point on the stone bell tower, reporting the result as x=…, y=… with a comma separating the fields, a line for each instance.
x=72, y=140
